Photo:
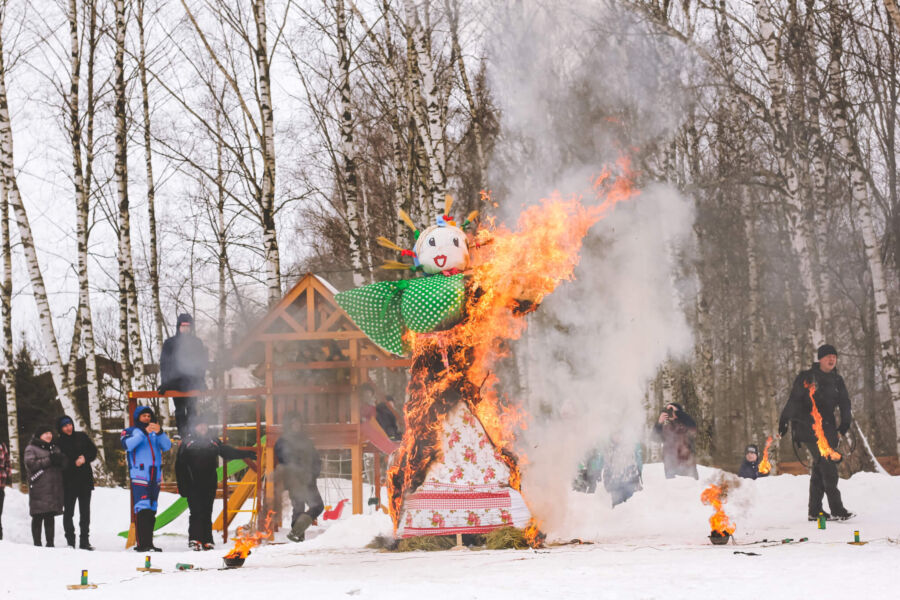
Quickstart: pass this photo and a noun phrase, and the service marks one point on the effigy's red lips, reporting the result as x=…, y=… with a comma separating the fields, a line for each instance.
x=440, y=260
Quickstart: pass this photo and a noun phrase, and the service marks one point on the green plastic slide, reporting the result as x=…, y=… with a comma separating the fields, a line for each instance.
x=180, y=505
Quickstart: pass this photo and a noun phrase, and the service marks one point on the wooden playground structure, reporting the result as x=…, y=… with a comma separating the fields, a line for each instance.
x=312, y=361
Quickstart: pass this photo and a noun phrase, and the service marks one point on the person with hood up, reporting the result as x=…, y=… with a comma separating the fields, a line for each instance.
x=750, y=467
x=44, y=463
x=195, y=470
x=677, y=429
x=5, y=479
x=144, y=444
x=299, y=466
x=830, y=395
x=182, y=368
x=78, y=480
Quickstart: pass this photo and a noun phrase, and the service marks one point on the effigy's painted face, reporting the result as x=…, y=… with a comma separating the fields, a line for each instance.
x=442, y=249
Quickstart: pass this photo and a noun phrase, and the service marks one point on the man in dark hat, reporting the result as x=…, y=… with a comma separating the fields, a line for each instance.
x=78, y=480
x=750, y=467
x=830, y=395
x=677, y=429
x=182, y=368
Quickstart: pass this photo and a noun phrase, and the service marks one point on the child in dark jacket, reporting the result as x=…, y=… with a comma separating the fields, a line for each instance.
x=750, y=467
x=195, y=470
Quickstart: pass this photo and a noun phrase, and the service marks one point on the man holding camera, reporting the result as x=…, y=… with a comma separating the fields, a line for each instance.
x=144, y=444
x=677, y=430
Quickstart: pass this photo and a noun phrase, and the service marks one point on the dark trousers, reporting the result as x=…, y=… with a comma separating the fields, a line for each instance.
x=47, y=520
x=185, y=409
x=305, y=499
x=2, y=497
x=823, y=481
x=81, y=495
x=200, y=504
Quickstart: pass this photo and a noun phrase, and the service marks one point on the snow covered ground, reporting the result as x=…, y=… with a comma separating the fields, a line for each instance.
x=654, y=546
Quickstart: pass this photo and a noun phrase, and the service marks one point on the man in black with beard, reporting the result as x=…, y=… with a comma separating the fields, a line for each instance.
x=830, y=394
x=182, y=368
x=78, y=480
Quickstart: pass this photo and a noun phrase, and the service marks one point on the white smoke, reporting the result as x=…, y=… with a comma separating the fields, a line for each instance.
x=576, y=91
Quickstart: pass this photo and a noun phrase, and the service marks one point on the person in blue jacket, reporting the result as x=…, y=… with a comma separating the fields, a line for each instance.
x=144, y=444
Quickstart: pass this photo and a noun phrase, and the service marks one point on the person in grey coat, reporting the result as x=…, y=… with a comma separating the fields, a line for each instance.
x=44, y=463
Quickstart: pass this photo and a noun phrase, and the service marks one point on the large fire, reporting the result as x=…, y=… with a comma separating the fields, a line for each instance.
x=715, y=495
x=821, y=441
x=764, y=465
x=512, y=271
x=533, y=534
x=245, y=540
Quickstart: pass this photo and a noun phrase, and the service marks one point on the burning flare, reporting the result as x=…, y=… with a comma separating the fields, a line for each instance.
x=533, y=534
x=720, y=523
x=244, y=540
x=821, y=441
x=764, y=465
x=512, y=271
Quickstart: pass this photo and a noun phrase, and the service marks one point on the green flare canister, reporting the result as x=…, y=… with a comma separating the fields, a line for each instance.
x=821, y=520
x=856, y=536
x=84, y=577
x=147, y=559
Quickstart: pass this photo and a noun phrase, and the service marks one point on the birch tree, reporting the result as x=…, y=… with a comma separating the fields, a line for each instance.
x=8, y=377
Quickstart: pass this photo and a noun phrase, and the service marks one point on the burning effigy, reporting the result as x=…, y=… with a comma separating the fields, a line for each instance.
x=456, y=470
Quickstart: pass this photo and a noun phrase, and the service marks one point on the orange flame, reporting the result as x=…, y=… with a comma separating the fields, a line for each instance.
x=720, y=522
x=511, y=273
x=764, y=465
x=244, y=540
x=821, y=441
x=533, y=534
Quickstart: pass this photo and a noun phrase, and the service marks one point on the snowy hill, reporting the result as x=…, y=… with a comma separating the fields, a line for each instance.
x=653, y=546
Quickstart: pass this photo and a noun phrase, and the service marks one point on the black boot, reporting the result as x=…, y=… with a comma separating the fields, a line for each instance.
x=70, y=540
x=85, y=543
x=151, y=526
x=143, y=531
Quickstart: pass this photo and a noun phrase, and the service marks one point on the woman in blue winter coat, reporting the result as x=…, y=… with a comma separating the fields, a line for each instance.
x=144, y=444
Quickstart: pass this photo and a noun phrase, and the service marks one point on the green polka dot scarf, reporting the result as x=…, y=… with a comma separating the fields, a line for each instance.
x=385, y=310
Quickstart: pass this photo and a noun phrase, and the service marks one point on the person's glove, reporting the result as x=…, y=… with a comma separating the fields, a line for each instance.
x=56, y=458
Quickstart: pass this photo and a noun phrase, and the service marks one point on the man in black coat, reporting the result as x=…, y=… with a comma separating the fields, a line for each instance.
x=182, y=368
x=195, y=471
x=830, y=394
x=299, y=466
x=78, y=480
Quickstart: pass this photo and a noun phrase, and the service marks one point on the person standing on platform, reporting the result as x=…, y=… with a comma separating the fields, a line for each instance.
x=182, y=368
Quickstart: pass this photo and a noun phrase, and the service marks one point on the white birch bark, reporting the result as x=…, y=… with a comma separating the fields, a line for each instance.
x=45, y=318
x=85, y=332
x=270, y=239
x=860, y=196
x=798, y=226
x=348, y=173
x=427, y=101
x=8, y=378
x=126, y=263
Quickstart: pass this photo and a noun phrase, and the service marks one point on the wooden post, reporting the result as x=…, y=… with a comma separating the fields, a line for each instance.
x=270, y=442
x=356, y=453
x=131, y=539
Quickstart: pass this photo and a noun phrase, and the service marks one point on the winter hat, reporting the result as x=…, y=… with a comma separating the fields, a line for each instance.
x=41, y=430
x=184, y=318
x=751, y=448
x=63, y=421
x=141, y=410
x=824, y=350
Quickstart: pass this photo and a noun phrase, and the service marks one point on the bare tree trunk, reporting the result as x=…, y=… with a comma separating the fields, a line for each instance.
x=126, y=264
x=427, y=108
x=85, y=332
x=798, y=226
x=8, y=377
x=159, y=321
x=270, y=240
x=222, y=257
x=348, y=148
x=860, y=194
x=45, y=318
x=894, y=11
